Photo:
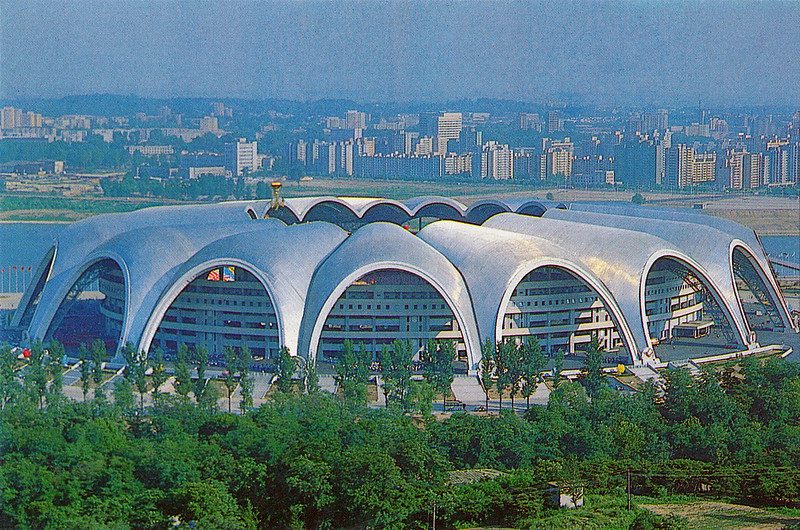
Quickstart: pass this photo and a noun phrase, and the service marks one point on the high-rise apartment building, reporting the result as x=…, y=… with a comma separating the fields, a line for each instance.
x=704, y=167
x=557, y=158
x=497, y=162
x=778, y=162
x=684, y=167
x=10, y=118
x=209, y=124
x=554, y=121
x=448, y=127
x=424, y=146
x=241, y=157
x=746, y=169
x=355, y=119
x=530, y=121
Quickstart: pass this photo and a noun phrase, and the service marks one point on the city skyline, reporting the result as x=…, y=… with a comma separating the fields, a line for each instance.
x=601, y=53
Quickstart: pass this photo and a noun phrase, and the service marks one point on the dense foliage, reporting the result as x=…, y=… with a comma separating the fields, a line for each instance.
x=318, y=460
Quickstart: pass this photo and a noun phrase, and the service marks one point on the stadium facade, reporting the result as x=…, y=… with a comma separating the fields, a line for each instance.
x=314, y=272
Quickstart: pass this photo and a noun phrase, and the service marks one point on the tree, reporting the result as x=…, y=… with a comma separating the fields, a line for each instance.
x=638, y=199
x=136, y=371
x=487, y=368
x=438, y=367
x=558, y=367
x=286, y=368
x=231, y=362
x=419, y=398
x=86, y=370
x=9, y=386
x=397, y=370
x=245, y=379
x=201, y=360
x=533, y=363
x=159, y=374
x=505, y=368
x=352, y=372
x=55, y=372
x=35, y=376
x=183, y=377
x=515, y=369
x=123, y=396
x=209, y=504
x=312, y=377
x=99, y=355
x=593, y=364
x=209, y=397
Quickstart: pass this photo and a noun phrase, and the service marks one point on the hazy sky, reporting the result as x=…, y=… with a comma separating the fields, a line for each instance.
x=621, y=52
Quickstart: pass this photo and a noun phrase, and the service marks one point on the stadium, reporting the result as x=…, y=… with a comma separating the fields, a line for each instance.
x=650, y=284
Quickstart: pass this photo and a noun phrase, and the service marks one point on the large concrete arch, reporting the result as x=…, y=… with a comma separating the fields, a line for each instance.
x=176, y=288
x=440, y=207
x=480, y=211
x=282, y=257
x=28, y=302
x=711, y=245
x=693, y=266
x=381, y=246
x=57, y=296
x=617, y=257
x=766, y=276
x=494, y=261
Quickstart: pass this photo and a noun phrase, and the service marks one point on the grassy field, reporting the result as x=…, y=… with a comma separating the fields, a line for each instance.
x=610, y=511
x=52, y=208
x=716, y=514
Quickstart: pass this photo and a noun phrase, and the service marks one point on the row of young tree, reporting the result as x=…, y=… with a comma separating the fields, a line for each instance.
x=316, y=460
x=518, y=368
x=205, y=186
x=396, y=364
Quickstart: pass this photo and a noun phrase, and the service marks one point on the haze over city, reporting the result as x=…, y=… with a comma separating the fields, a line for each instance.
x=662, y=53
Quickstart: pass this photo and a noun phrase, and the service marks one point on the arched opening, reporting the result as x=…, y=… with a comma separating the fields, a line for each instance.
x=334, y=212
x=685, y=318
x=224, y=306
x=563, y=313
x=94, y=308
x=252, y=214
x=390, y=213
x=535, y=209
x=439, y=210
x=760, y=308
x=385, y=305
x=430, y=214
x=480, y=213
x=283, y=213
x=44, y=271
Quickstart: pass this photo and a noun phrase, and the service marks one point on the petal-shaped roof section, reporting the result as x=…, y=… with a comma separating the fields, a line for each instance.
x=620, y=258
x=145, y=256
x=84, y=236
x=283, y=258
x=494, y=261
x=709, y=245
x=672, y=214
x=380, y=246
